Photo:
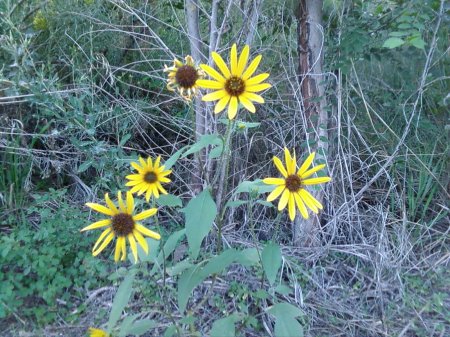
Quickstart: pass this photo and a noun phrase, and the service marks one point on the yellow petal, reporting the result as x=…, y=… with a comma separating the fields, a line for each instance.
x=213, y=73
x=99, y=208
x=130, y=203
x=110, y=204
x=279, y=166
x=145, y=214
x=148, y=232
x=121, y=203
x=306, y=195
x=143, y=162
x=221, y=104
x=165, y=173
x=290, y=162
x=149, y=164
x=136, y=166
x=136, y=188
x=118, y=248
x=133, y=183
x=133, y=247
x=247, y=104
x=242, y=60
x=253, y=97
x=308, y=202
x=306, y=164
x=233, y=60
x=104, y=244
x=124, y=249
x=275, y=193
x=140, y=239
x=134, y=176
x=164, y=180
x=258, y=87
x=251, y=68
x=157, y=163
x=312, y=171
x=98, y=224
x=232, y=107
x=160, y=188
x=148, y=194
x=208, y=84
x=215, y=95
x=221, y=64
x=101, y=237
x=274, y=181
x=257, y=79
x=155, y=191
x=284, y=199
x=315, y=181
x=301, y=206
x=291, y=207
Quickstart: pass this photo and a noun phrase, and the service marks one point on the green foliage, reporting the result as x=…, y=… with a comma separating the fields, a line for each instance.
x=200, y=213
x=41, y=259
x=271, y=261
x=121, y=299
x=286, y=324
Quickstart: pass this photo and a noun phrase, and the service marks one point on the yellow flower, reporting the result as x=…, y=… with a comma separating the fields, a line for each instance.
x=149, y=178
x=40, y=21
x=93, y=332
x=235, y=85
x=184, y=77
x=292, y=186
x=122, y=224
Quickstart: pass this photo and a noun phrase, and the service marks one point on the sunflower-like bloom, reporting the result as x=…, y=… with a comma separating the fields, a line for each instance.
x=93, y=332
x=149, y=178
x=292, y=186
x=235, y=85
x=183, y=77
x=123, y=225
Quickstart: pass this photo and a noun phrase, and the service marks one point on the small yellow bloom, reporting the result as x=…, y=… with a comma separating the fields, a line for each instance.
x=123, y=225
x=184, y=77
x=93, y=332
x=40, y=22
x=149, y=177
x=292, y=186
x=234, y=85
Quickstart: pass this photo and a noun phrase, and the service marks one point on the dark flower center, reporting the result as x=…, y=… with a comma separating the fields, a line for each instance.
x=235, y=86
x=122, y=224
x=293, y=183
x=186, y=76
x=150, y=177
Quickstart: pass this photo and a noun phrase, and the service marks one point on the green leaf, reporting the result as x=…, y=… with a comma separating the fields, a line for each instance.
x=83, y=167
x=142, y=326
x=224, y=327
x=236, y=203
x=169, y=200
x=248, y=257
x=200, y=214
x=286, y=324
x=271, y=260
x=126, y=324
x=173, y=158
x=153, y=248
x=257, y=185
x=393, y=42
x=203, y=142
x=121, y=299
x=124, y=140
x=288, y=327
x=169, y=247
x=179, y=267
x=220, y=262
x=196, y=274
x=417, y=42
x=186, y=283
x=170, y=331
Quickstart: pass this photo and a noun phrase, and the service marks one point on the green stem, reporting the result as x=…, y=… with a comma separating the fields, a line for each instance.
x=223, y=181
x=162, y=249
